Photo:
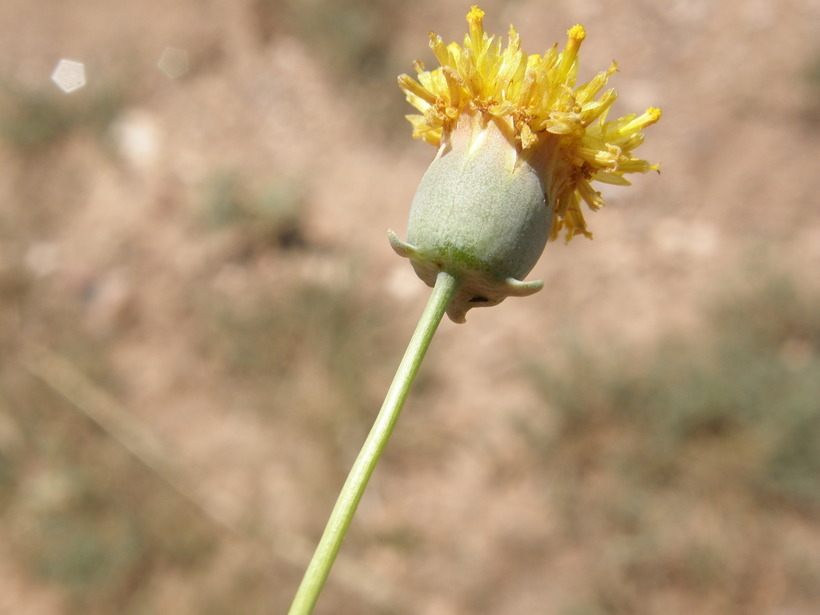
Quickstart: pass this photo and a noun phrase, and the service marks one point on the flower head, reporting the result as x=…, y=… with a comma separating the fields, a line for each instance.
x=536, y=98
x=519, y=145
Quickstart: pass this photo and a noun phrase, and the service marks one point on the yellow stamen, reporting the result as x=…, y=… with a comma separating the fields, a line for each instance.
x=537, y=97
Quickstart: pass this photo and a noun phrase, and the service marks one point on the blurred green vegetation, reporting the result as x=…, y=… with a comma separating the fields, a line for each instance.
x=721, y=429
x=267, y=218
x=354, y=40
x=811, y=75
x=353, y=35
x=79, y=511
x=84, y=515
x=313, y=356
x=750, y=385
x=33, y=120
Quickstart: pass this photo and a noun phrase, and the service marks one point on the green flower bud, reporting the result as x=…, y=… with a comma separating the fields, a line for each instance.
x=480, y=213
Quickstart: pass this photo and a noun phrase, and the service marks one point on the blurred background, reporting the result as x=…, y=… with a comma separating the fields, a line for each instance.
x=200, y=314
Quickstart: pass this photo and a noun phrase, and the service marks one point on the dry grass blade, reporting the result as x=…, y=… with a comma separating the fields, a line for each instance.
x=63, y=377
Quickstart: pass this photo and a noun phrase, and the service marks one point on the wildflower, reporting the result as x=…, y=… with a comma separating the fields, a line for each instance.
x=518, y=147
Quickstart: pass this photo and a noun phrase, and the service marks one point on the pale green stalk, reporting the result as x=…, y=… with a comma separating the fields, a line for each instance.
x=374, y=445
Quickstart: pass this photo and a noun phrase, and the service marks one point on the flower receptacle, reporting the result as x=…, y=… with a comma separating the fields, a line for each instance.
x=481, y=213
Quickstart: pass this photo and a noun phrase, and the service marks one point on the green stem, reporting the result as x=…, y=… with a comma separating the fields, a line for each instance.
x=374, y=445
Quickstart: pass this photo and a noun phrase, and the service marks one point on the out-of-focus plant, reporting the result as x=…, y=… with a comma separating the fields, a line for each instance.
x=723, y=426
x=32, y=120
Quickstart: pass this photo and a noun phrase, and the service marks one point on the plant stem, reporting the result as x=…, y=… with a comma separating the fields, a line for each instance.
x=374, y=445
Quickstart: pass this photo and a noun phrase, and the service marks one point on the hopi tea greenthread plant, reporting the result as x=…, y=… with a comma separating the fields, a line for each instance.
x=518, y=147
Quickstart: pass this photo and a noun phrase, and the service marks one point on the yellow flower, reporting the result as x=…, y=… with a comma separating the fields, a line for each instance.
x=518, y=147
x=533, y=102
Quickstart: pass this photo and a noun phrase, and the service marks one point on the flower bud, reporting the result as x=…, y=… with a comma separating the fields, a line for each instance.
x=520, y=144
x=480, y=213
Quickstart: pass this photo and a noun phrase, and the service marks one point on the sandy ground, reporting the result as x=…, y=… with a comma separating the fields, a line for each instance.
x=111, y=224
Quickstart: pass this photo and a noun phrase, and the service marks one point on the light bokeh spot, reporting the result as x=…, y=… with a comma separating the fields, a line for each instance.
x=173, y=62
x=137, y=137
x=69, y=75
